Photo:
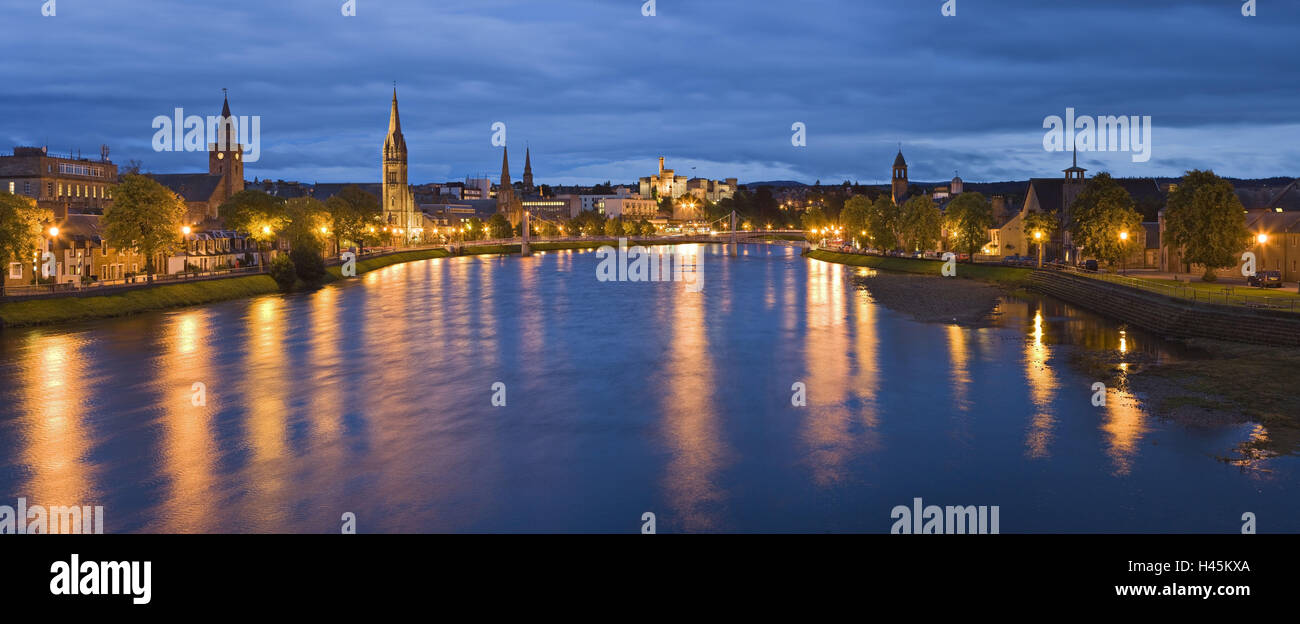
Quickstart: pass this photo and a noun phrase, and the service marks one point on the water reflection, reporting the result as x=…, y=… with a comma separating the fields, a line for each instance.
x=189, y=450
x=829, y=416
x=53, y=405
x=1042, y=389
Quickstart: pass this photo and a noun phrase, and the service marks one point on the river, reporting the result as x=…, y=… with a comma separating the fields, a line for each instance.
x=375, y=397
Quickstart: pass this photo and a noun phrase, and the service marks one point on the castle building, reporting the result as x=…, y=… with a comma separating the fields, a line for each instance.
x=668, y=184
x=399, y=210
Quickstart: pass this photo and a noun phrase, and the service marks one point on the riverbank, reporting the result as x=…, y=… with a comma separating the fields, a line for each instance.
x=916, y=288
x=1013, y=277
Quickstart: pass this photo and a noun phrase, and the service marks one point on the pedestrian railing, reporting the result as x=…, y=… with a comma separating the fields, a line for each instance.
x=1227, y=295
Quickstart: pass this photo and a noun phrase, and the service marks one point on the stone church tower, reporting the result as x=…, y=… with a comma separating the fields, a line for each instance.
x=399, y=201
x=507, y=203
x=226, y=156
x=528, y=173
x=898, y=185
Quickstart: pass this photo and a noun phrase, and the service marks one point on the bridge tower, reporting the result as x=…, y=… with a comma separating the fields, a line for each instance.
x=733, y=233
x=523, y=245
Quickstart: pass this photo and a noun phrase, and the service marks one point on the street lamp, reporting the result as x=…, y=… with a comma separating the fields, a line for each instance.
x=1123, y=254
x=1262, y=238
x=185, y=230
x=1038, y=238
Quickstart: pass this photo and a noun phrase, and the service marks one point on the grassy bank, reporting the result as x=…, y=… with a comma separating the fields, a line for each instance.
x=1008, y=276
x=67, y=309
x=370, y=264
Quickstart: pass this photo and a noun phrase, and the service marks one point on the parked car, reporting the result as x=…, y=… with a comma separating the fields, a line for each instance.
x=1090, y=266
x=1265, y=279
x=963, y=257
x=918, y=254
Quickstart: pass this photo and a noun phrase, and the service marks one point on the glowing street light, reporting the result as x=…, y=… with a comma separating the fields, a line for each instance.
x=1038, y=236
x=1262, y=238
x=266, y=229
x=54, y=232
x=185, y=229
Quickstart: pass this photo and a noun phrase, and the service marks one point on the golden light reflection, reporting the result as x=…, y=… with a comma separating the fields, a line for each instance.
x=189, y=451
x=1125, y=425
x=54, y=387
x=959, y=356
x=265, y=390
x=692, y=427
x=828, y=419
x=1042, y=390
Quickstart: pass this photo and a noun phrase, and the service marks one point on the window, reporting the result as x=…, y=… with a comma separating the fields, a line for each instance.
x=15, y=270
x=49, y=189
x=11, y=187
x=27, y=188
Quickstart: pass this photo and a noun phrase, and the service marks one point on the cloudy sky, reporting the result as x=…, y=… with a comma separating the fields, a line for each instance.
x=599, y=90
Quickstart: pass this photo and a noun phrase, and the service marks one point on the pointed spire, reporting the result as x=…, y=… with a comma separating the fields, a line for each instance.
x=505, y=166
x=394, y=122
x=528, y=162
x=225, y=106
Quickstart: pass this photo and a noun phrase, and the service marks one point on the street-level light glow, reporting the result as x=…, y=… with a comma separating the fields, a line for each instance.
x=54, y=231
x=324, y=230
x=1262, y=238
x=1123, y=236
x=185, y=229
x=266, y=229
x=1038, y=235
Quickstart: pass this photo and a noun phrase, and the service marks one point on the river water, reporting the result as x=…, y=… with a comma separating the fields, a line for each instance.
x=375, y=397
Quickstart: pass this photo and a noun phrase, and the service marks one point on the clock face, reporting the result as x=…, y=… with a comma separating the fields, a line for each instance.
x=236, y=156
x=220, y=155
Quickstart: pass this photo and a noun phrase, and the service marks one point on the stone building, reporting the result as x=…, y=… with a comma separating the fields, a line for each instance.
x=399, y=209
x=204, y=193
x=61, y=184
x=667, y=183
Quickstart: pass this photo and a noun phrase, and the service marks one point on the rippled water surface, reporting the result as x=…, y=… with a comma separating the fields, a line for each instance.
x=374, y=397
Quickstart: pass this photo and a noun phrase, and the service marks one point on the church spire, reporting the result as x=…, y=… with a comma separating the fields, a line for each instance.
x=394, y=122
x=528, y=171
x=505, y=167
x=225, y=105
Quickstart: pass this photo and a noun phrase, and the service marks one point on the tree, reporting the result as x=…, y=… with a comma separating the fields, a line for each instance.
x=883, y=223
x=855, y=217
x=614, y=227
x=145, y=217
x=21, y=223
x=647, y=228
x=499, y=227
x=631, y=228
x=308, y=225
x=355, y=216
x=283, y=272
x=259, y=215
x=1104, y=222
x=1042, y=224
x=920, y=223
x=474, y=229
x=550, y=230
x=813, y=219
x=969, y=218
x=1206, y=222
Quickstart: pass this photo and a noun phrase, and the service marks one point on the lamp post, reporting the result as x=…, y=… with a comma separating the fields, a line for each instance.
x=1038, y=239
x=54, y=278
x=1123, y=252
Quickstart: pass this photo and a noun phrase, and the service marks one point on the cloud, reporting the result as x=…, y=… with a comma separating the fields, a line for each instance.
x=599, y=92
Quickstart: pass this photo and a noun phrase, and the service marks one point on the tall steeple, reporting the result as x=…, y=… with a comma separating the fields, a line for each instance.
x=507, y=204
x=528, y=172
x=399, y=201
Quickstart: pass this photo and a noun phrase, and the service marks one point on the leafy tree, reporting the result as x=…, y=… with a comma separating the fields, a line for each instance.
x=855, y=216
x=499, y=227
x=308, y=264
x=814, y=219
x=550, y=230
x=883, y=223
x=355, y=216
x=631, y=228
x=308, y=226
x=259, y=215
x=1044, y=223
x=969, y=218
x=647, y=228
x=1206, y=222
x=1102, y=212
x=920, y=223
x=145, y=217
x=613, y=227
x=283, y=272
x=475, y=229
x=21, y=223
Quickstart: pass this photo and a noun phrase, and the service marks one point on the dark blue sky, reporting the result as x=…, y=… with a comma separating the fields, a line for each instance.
x=600, y=91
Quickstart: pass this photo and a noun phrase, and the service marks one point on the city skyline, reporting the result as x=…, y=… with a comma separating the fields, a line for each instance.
x=719, y=105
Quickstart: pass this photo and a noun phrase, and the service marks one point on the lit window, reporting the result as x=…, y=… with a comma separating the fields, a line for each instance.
x=15, y=270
